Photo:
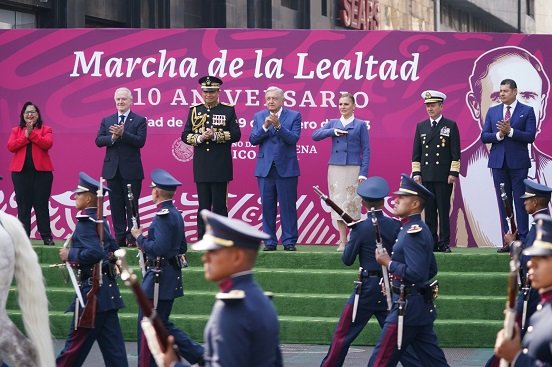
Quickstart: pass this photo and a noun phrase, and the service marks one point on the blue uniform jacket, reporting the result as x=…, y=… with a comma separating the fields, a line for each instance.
x=512, y=150
x=278, y=146
x=242, y=332
x=166, y=240
x=86, y=251
x=352, y=149
x=533, y=300
x=362, y=242
x=124, y=153
x=537, y=342
x=413, y=264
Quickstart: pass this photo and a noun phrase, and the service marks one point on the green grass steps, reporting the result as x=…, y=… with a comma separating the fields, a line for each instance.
x=310, y=288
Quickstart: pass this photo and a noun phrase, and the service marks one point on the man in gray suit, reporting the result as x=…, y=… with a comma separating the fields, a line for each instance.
x=123, y=134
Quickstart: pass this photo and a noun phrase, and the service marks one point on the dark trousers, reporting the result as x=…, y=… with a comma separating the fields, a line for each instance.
x=187, y=347
x=275, y=190
x=347, y=330
x=33, y=190
x=106, y=331
x=439, y=208
x=121, y=212
x=211, y=196
x=419, y=339
x=514, y=187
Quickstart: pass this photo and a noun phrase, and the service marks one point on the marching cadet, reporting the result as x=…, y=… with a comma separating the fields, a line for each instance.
x=411, y=267
x=362, y=243
x=211, y=129
x=536, y=347
x=243, y=328
x=86, y=250
x=535, y=200
x=162, y=282
x=436, y=164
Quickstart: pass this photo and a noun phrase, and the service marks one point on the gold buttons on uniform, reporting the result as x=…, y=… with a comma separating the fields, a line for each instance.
x=207, y=149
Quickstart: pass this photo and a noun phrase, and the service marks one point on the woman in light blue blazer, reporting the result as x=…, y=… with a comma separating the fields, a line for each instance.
x=349, y=160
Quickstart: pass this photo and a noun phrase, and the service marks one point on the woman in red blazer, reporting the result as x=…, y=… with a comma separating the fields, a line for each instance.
x=31, y=170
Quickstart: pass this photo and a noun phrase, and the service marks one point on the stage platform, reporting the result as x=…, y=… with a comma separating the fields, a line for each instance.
x=310, y=287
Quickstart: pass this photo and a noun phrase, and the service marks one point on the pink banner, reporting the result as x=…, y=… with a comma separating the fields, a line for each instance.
x=71, y=75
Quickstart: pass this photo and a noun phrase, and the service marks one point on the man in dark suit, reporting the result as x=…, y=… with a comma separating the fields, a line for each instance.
x=276, y=130
x=123, y=134
x=436, y=163
x=211, y=129
x=411, y=267
x=510, y=127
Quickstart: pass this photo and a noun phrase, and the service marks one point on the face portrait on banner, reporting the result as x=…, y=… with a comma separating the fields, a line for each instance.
x=481, y=207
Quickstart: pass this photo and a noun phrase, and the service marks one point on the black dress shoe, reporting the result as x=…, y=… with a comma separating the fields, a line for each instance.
x=49, y=242
x=290, y=248
x=445, y=248
x=269, y=248
x=505, y=248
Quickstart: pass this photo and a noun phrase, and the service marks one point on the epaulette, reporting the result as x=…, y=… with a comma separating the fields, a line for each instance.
x=226, y=104
x=196, y=105
x=414, y=229
x=162, y=212
x=232, y=296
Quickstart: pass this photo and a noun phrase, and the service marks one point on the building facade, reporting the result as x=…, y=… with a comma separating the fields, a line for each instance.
x=516, y=16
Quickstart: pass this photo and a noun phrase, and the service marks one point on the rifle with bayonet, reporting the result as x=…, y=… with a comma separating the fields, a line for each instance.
x=379, y=249
x=510, y=311
x=358, y=289
x=88, y=317
x=141, y=259
x=343, y=214
x=128, y=276
x=508, y=211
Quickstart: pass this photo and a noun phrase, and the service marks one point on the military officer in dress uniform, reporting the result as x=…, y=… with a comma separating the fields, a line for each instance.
x=85, y=251
x=362, y=243
x=536, y=347
x=243, y=328
x=211, y=128
x=411, y=267
x=536, y=200
x=436, y=163
x=162, y=248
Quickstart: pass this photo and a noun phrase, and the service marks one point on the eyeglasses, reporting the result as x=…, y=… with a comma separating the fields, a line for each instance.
x=30, y=113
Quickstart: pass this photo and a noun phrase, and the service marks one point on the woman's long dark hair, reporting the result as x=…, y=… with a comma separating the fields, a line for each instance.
x=22, y=122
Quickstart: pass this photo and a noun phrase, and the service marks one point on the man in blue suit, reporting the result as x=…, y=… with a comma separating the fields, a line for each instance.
x=510, y=127
x=276, y=131
x=123, y=134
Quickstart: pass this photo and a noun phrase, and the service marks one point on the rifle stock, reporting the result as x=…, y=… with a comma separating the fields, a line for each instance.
x=508, y=210
x=343, y=214
x=128, y=276
x=88, y=317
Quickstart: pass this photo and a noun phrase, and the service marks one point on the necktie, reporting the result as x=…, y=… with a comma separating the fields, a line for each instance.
x=507, y=115
x=433, y=123
x=121, y=120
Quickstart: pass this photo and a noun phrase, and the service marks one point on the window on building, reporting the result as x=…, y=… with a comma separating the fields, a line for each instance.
x=531, y=8
x=292, y=4
x=10, y=19
x=324, y=7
